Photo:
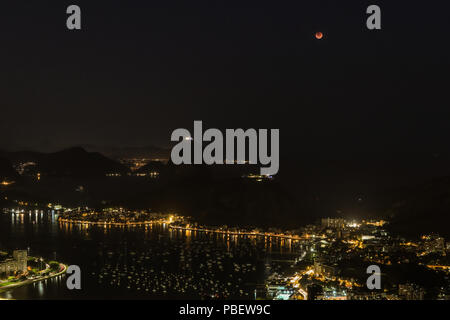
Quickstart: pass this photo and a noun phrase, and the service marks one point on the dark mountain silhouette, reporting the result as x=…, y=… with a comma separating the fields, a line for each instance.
x=78, y=162
x=72, y=162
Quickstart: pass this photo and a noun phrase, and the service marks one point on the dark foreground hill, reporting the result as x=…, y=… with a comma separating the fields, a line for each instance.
x=423, y=209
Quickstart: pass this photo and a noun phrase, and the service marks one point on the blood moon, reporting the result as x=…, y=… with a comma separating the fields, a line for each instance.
x=318, y=35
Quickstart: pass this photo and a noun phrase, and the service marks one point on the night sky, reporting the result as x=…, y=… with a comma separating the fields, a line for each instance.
x=140, y=69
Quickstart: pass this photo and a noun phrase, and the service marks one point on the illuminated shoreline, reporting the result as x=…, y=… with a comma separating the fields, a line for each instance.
x=30, y=281
x=115, y=224
x=244, y=233
x=191, y=229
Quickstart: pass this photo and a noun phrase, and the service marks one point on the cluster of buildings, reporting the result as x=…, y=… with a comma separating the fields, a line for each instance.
x=15, y=264
x=117, y=216
x=337, y=252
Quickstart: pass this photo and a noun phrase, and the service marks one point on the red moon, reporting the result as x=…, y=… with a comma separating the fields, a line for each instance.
x=319, y=35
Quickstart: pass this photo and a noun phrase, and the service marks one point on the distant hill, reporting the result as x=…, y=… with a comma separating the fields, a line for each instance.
x=72, y=162
x=78, y=162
